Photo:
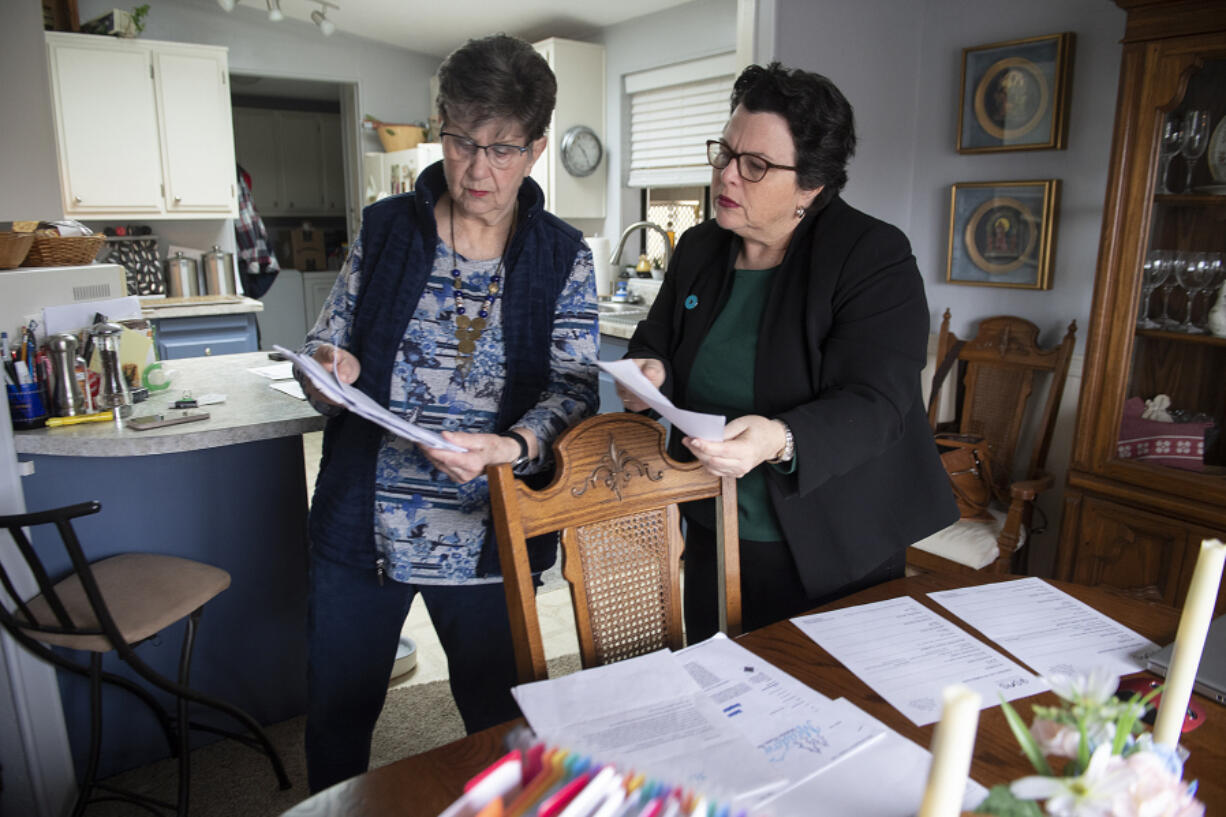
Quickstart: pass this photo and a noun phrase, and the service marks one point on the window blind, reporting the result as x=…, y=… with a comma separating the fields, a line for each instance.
x=673, y=112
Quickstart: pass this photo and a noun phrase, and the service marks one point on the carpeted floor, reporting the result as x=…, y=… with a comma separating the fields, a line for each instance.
x=229, y=780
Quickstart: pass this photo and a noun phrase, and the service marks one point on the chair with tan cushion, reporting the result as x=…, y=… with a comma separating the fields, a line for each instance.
x=996, y=374
x=114, y=604
x=613, y=499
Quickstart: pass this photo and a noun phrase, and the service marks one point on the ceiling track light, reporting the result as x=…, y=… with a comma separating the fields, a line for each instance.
x=274, y=11
x=319, y=18
x=227, y=5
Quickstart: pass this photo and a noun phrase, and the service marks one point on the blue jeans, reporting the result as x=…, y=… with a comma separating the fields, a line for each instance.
x=353, y=629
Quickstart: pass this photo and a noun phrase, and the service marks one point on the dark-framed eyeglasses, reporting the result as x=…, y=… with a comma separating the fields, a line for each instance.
x=751, y=166
x=499, y=155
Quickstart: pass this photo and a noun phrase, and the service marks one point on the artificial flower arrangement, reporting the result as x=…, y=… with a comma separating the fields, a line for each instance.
x=1111, y=767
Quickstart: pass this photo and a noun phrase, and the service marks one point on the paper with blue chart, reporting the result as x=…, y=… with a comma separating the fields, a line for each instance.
x=908, y=654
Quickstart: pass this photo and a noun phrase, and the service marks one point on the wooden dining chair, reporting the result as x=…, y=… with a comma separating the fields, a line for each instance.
x=114, y=604
x=613, y=499
x=996, y=375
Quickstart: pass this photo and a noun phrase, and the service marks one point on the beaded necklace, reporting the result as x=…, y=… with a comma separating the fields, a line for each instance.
x=469, y=330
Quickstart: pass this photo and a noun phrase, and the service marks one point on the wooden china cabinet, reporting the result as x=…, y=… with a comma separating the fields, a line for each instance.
x=1131, y=522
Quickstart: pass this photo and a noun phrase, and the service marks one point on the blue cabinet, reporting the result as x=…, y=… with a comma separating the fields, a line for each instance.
x=206, y=335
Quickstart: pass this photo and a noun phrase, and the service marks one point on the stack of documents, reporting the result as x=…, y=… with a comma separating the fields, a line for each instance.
x=720, y=719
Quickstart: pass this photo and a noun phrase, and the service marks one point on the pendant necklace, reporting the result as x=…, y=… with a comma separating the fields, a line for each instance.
x=468, y=330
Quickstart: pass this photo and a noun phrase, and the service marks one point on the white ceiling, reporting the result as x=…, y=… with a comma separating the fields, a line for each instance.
x=439, y=26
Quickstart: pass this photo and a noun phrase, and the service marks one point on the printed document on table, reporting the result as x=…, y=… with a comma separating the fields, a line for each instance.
x=281, y=370
x=908, y=654
x=693, y=423
x=796, y=729
x=648, y=714
x=1049, y=630
x=360, y=404
x=885, y=779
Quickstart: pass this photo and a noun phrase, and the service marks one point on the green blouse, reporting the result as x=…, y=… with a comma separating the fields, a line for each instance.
x=721, y=382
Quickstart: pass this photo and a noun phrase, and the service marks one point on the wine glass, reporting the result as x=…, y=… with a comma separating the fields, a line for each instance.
x=1153, y=274
x=1217, y=276
x=1173, y=260
x=1195, y=140
x=1169, y=143
x=1192, y=271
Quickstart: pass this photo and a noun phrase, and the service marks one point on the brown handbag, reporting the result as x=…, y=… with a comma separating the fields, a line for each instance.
x=966, y=458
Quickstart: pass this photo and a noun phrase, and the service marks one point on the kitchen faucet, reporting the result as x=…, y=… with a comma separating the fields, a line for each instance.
x=642, y=225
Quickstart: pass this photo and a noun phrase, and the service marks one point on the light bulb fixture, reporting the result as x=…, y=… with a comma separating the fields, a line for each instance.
x=227, y=5
x=274, y=11
x=326, y=27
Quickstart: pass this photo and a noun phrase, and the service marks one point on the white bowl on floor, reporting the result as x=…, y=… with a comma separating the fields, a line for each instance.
x=406, y=657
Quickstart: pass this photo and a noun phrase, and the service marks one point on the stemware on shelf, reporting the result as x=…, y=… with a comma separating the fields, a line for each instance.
x=1153, y=274
x=1170, y=140
x=1217, y=276
x=1172, y=259
x=1192, y=270
x=1195, y=140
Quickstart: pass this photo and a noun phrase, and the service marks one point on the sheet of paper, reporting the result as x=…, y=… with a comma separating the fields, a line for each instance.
x=647, y=713
x=693, y=423
x=290, y=387
x=282, y=370
x=796, y=729
x=361, y=404
x=885, y=779
x=1046, y=628
x=908, y=654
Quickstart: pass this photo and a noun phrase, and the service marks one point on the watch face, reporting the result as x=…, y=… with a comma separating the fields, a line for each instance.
x=581, y=151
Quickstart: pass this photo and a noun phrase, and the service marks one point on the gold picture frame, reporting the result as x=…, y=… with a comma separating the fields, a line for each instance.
x=1015, y=95
x=1003, y=234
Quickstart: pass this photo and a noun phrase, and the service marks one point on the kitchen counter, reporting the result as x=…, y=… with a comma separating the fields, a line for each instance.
x=229, y=491
x=198, y=306
x=252, y=411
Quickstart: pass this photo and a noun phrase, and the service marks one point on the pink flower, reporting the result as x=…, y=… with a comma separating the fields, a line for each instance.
x=1055, y=738
x=1154, y=792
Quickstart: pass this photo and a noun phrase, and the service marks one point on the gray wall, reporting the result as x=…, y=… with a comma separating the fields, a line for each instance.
x=28, y=170
x=900, y=65
x=393, y=83
x=696, y=29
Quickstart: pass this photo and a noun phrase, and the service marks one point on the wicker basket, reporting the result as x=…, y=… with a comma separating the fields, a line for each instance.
x=13, y=248
x=64, y=250
x=399, y=137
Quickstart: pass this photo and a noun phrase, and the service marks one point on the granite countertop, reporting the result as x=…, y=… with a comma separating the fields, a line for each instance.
x=198, y=305
x=252, y=411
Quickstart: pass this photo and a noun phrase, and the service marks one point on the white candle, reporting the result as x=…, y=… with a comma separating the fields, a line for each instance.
x=952, y=743
x=1190, y=641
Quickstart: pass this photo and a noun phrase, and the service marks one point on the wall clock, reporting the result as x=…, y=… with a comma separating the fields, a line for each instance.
x=581, y=150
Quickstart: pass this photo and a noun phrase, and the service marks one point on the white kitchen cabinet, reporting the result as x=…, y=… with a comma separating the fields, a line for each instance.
x=295, y=161
x=580, y=71
x=316, y=286
x=142, y=128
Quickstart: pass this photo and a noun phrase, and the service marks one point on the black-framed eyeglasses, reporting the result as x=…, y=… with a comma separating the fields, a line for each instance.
x=500, y=156
x=751, y=166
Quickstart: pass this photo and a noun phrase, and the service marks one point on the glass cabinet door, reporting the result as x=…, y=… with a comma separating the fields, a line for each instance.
x=1175, y=403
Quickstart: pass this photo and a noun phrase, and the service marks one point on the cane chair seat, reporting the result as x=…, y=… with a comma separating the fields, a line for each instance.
x=145, y=593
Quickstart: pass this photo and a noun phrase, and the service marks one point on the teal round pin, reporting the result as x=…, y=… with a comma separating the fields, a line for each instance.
x=691, y=302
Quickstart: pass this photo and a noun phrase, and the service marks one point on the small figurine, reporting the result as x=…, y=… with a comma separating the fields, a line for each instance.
x=1156, y=409
x=1217, y=315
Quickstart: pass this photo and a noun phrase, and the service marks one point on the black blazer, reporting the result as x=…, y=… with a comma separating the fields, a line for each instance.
x=843, y=340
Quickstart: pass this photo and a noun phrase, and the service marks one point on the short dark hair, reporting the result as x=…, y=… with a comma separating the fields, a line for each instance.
x=819, y=117
x=497, y=77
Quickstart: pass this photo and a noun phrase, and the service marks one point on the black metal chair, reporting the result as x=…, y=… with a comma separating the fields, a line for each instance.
x=114, y=604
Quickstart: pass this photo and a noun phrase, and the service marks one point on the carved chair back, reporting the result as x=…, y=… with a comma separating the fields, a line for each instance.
x=999, y=370
x=613, y=500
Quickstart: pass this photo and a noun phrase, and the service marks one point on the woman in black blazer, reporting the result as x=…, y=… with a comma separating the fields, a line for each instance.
x=804, y=321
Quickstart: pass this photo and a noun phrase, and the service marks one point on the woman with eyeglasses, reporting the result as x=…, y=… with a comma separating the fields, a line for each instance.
x=468, y=309
x=804, y=322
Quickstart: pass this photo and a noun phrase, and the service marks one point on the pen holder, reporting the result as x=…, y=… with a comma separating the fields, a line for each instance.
x=26, y=406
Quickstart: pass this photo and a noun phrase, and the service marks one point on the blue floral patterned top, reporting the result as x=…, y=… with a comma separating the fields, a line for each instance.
x=429, y=529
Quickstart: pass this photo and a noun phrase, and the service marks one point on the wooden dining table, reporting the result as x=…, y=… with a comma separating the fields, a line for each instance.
x=424, y=785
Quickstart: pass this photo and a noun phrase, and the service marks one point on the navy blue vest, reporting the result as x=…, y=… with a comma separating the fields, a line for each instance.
x=399, y=237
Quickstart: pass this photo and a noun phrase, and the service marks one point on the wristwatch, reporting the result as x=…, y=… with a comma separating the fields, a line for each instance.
x=789, y=447
x=523, y=448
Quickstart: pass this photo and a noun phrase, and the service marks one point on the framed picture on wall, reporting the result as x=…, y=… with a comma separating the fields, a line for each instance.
x=1015, y=95
x=1003, y=234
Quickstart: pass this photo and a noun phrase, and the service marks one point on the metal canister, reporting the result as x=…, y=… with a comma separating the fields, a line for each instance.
x=219, y=272
x=182, y=276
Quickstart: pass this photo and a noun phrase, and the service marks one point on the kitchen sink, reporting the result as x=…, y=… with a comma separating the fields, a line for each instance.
x=622, y=310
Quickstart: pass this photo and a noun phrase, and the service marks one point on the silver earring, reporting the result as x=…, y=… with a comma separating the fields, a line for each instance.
x=800, y=211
